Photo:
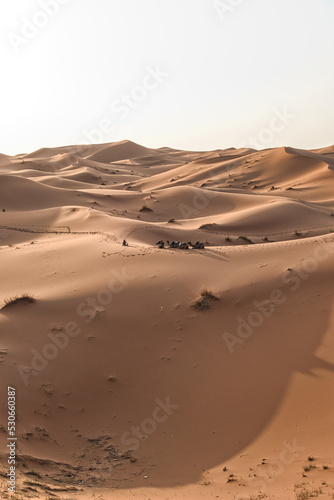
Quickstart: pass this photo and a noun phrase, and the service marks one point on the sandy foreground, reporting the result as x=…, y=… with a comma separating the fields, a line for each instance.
x=123, y=388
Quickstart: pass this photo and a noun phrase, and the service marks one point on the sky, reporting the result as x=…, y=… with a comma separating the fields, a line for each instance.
x=188, y=74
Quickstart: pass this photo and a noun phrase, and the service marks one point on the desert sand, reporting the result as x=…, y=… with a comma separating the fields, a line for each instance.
x=125, y=388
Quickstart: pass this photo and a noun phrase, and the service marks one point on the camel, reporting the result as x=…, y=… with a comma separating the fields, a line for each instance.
x=174, y=244
x=198, y=245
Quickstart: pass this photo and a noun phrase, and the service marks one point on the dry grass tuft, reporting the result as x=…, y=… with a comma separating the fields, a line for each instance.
x=305, y=494
x=309, y=467
x=145, y=208
x=23, y=299
x=203, y=301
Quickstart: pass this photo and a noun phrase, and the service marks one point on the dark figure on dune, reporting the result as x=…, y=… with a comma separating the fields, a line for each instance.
x=198, y=245
x=174, y=244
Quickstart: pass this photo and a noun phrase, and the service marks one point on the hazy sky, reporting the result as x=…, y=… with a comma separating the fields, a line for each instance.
x=192, y=74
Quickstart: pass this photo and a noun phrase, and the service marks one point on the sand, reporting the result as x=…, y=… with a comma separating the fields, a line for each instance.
x=124, y=389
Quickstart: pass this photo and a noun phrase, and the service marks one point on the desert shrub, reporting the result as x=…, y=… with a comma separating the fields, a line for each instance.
x=247, y=240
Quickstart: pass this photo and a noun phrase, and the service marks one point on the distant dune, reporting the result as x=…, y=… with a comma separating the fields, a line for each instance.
x=147, y=373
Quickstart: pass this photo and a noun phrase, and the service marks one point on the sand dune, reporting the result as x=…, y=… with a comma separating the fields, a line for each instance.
x=125, y=388
x=309, y=154
x=119, y=151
